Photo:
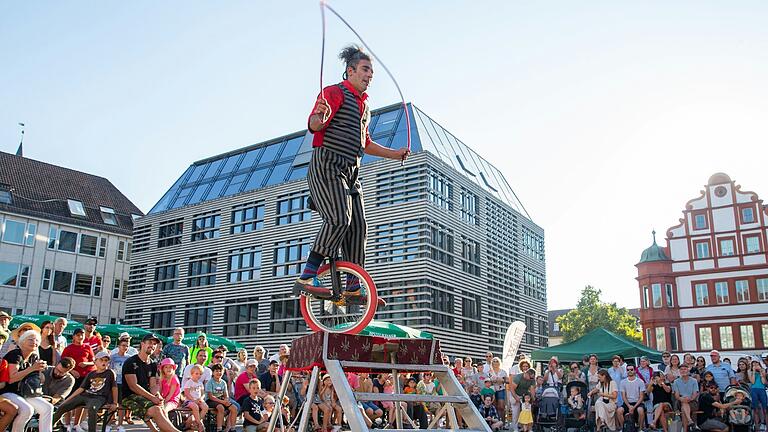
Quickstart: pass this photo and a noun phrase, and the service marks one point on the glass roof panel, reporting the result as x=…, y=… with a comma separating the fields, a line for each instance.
x=213, y=169
x=235, y=185
x=278, y=173
x=216, y=189
x=162, y=204
x=231, y=164
x=386, y=122
x=270, y=153
x=291, y=147
x=298, y=172
x=197, y=173
x=250, y=158
x=257, y=179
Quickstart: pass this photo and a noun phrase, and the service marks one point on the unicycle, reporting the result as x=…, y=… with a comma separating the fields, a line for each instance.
x=340, y=312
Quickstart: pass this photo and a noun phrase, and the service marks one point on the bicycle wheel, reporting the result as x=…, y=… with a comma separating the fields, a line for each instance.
x=348, y=315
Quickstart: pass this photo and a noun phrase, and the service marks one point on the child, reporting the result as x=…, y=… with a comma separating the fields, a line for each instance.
x=475, y=396
x=326, y=402
x=98, y=388
x=389, y=388
x=218, y=398
x=576, y=403
x=526, y=417
x=489, y=413
x=252, y=418
x=193, y=393
x=488, y=390
x=372, y=411
x=170, y=388
x=269, y=406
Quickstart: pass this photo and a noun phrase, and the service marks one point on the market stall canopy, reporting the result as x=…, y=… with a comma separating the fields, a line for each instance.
x=38, y=320
x=605, y=344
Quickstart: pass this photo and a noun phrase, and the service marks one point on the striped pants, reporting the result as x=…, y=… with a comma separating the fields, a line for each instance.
x=338, y=197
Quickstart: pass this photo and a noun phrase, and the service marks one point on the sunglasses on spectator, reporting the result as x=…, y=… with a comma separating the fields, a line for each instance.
x=218, y=357
x=269, y=403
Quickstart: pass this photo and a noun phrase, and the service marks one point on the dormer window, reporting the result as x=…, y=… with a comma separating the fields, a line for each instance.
x=108, y=215
x=135, y=217
x=464, y=167
x=5, y=195
x=485, y=180
x=76, y=208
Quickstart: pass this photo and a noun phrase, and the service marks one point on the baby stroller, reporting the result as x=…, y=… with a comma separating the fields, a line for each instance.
x=739, y=416
x=548, y=418
x=572, y=418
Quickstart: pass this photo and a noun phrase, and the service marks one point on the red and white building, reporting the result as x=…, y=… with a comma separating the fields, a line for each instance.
x=708, y=288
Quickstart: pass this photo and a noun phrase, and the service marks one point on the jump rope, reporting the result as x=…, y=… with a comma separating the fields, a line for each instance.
x=323, y=6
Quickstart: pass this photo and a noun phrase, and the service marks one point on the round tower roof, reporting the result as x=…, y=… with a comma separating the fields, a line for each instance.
x=719, y=178
x=653, y=253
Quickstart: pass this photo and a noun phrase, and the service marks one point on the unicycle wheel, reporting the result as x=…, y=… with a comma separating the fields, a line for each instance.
x=351, y=313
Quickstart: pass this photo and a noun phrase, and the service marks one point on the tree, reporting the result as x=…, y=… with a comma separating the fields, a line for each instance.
x=591, y=313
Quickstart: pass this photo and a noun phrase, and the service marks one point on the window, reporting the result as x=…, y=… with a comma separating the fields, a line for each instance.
x=762, y=293
x=661, y=339
x=116, y=289
x=469, y=211
x=102, y=247
x=646, y=300
x=83, y=284
x=9, y=273
x=202, y=271
x=135, y=217
x=88, y=244
x=470, y=256
x=53, y=234
x=705, y=338
x=471, y=313
x=97, y=286
x=721, y=292
x=440, y=191
x=764, y=331
x=286, y=317
x=108, y=215
x=699, y=221
x=166, y=274
x=441, y=241
x=726, y=337
x=702, y=249
x=67, y=241
x=46, y=285
x=752, y=244
x=121, y=247
x=747, y=215
x=742, y=291
x=162, y=322
x=726, y=247
x=169, y=233
x=14, y=232
x=397, y=241
x=293, y=208
x=670, y=297
x=747, y=336
x=76, y=208
x=5, y=195
x=205, y=227
x=648, y=337
x=533, y=244
x=242, y=319
x=702, y=295
x=62, y=281
x=31, y=232
x=673, y=341
x=199, y=318
x=247, y=218
x=244, y=265
x=289, y=256
x=656, y=292
x=24, y=276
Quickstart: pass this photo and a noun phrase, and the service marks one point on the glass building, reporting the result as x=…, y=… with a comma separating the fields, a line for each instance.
x=450, y=246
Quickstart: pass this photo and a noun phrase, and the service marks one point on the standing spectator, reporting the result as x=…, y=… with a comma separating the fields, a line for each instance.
x=644, y=371
x=84, y=359
x=24, y=369
x=722, y=373
x=281, y=351
x=177, y=351
x=487, y=365
x=131, y=351
x=201, y=359
x=58, y=382
x=521, y=385
x=58, y=333
x=200, y=345
x=686, y=392
x=91, y=338
x=592, y=371
x=575, y=374
x=7, y=408
x=673, y=370
x=758, y=380
x=660, y=390
x=139, y=380
x=498, y=377
x=617, y=374
x=262, y=363
x=698, y=369
x=633, y=395
x=47, y=348
x=665, y=356
x=742, y=372
x=553, y=377
x=98, y=389
x=469, y=374
x=5, y=320
x=606, y=393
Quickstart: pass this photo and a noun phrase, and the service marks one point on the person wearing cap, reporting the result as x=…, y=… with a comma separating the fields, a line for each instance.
x=7, y=408
x=5, y=320
x=24, y=366
x=139, y=381
x=177, y=351
x=58, y=382
x=98, y=389
x=201, y=344
x=686, y=391
x=245, y=377
x=709, y=419
x=130, y=351
x=91, y=337
x=269, y=378
x=722, y=373
x=84, y=358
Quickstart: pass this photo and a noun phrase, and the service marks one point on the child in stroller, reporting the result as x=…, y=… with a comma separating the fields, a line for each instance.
x=739, y=413
x=577, y=405
x=548, y=415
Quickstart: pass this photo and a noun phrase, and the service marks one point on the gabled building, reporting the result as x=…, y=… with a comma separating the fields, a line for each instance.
x=65, y=241
x=707, y=288
x=450, y=246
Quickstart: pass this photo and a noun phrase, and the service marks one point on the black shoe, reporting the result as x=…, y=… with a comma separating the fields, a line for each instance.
x=310, y=286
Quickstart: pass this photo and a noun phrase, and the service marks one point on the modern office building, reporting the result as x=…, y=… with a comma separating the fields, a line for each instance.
x=450, y=246
x=708, y=287
x=65, y=243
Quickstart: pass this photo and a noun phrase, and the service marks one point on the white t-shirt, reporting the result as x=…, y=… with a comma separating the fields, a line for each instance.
x=196, y=389
x=188, y=374
x=493, y=376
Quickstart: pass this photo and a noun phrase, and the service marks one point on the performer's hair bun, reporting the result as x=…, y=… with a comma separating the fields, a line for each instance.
x=352, y=54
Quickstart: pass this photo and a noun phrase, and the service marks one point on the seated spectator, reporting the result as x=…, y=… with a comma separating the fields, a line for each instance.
x=252, y=418
x=194, y=396
x=575, y=374
x=97, y=389
x=131, y=351
x=706, y=378
x=489, y=413
x=170, y=387
x=488, y=390
x=139, y=380
x=280, y=426
x=371, y=410
x=217, y=392
x=24, y=389
x=58, y=382
x=660, y=391
x=326, y=402
x=475, y=396
x=281, y=351
x=47, y=348
x=269, y=378
x=242, y=383
x=673, y=370
x=118, y=357
x=606, y=393
x=709, y=419
x=633, y=396
x=686, y=392
x=262, y=363
x=201, y=359
x=7, y=408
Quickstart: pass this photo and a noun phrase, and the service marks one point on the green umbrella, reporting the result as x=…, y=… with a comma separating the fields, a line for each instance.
x=389, y=330
x=213, y=341
x=38, y=321
x=114, y=330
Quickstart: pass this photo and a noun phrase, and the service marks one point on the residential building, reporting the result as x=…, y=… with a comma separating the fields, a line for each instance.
x=708, y=287
x=451, y=248
x=65, y=243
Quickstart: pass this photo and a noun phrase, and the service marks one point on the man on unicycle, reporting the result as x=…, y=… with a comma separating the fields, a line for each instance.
x=339, y=122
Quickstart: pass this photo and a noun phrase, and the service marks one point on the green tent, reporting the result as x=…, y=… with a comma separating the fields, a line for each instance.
x=114, y=330
x=38, y=321
x=385, y=329
x=600, y=341
x=214, y=341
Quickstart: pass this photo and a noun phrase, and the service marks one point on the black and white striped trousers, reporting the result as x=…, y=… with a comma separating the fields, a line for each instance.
x=338, y=197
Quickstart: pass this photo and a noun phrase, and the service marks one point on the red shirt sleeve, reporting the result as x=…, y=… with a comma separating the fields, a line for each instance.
x=335, y=97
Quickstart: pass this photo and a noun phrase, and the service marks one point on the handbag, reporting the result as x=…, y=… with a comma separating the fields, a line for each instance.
x=31, y=385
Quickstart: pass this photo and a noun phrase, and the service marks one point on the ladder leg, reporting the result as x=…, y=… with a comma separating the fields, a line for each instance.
x=311, y=389
x=347, y=398
x=277, y=411
x=452, y=417
x=396, y=378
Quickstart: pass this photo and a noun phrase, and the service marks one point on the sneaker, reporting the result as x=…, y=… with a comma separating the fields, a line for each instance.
x=357, y=297
x=310, y=286
x=120, y=429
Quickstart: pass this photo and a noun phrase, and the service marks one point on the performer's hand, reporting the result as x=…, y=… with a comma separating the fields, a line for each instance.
x=402, y=154
x=322, y=110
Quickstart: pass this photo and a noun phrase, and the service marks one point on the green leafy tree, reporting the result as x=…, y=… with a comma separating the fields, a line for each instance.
x=591, y=313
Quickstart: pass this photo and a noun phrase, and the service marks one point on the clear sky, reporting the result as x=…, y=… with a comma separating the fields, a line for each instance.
x=605, y=116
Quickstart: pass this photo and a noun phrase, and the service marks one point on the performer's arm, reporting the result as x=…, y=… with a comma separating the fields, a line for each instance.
x=325, y=107
x=374, y=149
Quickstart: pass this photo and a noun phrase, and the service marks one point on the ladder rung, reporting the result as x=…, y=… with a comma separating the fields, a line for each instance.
x=390, y=366
x=436, y=430
x=389, y=397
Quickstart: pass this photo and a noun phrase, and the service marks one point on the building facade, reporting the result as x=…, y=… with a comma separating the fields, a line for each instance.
x=65, y=242
x=450, y=246
x=708, y=288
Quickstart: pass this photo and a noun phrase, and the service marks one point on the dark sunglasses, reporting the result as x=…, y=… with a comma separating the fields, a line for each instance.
x=218, y=357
